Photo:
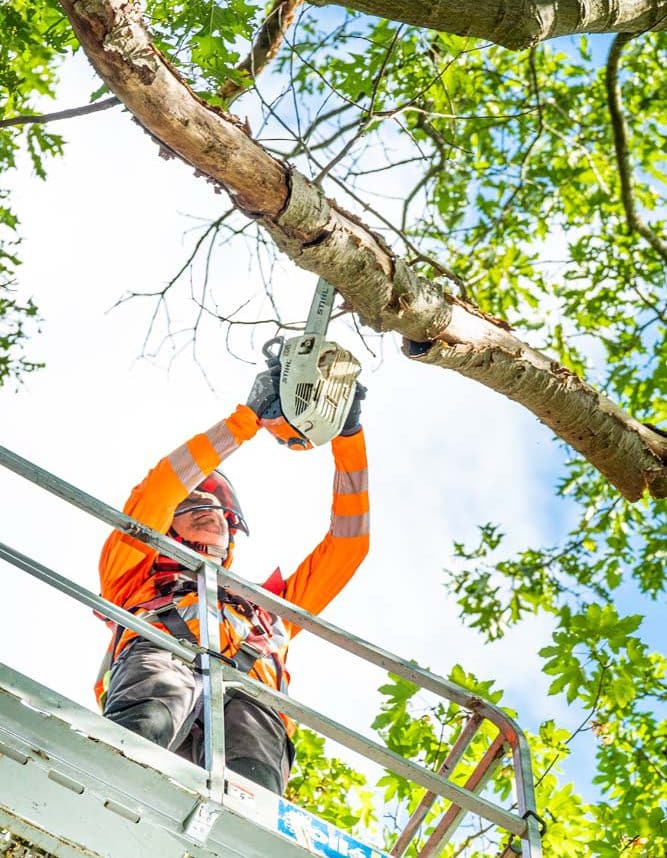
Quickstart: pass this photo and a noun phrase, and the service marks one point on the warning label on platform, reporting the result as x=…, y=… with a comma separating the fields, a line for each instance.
x=318, y=836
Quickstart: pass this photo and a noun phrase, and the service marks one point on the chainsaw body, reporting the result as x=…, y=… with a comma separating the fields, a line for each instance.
x=317, y=379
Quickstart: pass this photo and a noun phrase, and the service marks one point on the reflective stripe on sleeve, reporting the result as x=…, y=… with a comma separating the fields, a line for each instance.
x=222, y=439
x=350, y=482
x=347, y=526
x=185, y=467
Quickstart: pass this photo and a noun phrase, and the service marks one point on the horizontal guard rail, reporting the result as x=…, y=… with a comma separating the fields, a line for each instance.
x=373, y=751
x=112, y=612
x=276, y=700
x=325, y=630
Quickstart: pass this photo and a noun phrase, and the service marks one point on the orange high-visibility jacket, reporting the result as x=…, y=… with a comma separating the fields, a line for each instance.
x=126, y=565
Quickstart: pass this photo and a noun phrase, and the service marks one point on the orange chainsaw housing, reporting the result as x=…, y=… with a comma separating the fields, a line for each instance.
x=286, y=434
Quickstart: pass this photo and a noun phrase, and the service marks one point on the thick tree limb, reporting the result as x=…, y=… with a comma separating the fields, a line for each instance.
x=586, y=419
x=265, y=47
x=620, y=130
x=519, y=24
x=321, y=237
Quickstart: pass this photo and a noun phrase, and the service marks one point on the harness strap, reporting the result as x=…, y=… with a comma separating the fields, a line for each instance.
x=243, y=659
x=177, y=627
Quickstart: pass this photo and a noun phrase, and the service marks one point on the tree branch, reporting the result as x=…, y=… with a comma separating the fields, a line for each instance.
x=516, y=24
x=61, y=114
x=620, y=130
x=264, y=48
x=320, y=236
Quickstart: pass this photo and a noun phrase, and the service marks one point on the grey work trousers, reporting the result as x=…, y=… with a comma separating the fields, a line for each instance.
x=156, y=695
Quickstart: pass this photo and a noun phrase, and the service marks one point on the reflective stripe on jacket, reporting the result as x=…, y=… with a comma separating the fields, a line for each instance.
x=126, y=565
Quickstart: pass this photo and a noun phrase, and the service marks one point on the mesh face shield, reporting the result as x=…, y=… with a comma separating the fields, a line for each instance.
x=217, y=485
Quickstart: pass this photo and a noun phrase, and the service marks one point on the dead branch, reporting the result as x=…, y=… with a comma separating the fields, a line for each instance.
x=264, y=48
x=41, y=119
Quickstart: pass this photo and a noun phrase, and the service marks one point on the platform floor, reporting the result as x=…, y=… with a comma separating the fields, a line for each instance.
x=74, y=784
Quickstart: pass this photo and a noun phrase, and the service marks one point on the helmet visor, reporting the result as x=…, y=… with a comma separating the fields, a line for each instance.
x=216, y=492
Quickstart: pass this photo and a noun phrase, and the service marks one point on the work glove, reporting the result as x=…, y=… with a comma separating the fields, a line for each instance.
x=353, y=422
x=264, y=397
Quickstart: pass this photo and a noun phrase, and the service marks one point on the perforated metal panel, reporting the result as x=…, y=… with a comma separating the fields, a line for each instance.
x=75, y=784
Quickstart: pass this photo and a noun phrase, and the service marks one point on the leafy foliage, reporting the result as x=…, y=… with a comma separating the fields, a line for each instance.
x=35, y=36
x=203, y=39
x=423, y=729
x=328, y=787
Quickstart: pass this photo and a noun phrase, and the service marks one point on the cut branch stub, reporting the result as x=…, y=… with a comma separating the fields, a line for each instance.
x=321, y=237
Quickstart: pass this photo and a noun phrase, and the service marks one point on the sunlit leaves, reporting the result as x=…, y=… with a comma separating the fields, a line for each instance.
x=35, y=35
x=328, y=787
x=204, y=39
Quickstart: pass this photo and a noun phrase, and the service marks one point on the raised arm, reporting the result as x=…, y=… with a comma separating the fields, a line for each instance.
x=326, y=570
x=125, y=563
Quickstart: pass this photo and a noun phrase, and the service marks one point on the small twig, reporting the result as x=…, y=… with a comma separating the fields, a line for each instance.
x=441, y=269
x=525, y=159
x=380, y=74
x=471, y=838
x=319, y=120
x=579, y=729
x=584, y=151
x=339, y=157
x=361, y=336
x=363, y=126
x=42, y=118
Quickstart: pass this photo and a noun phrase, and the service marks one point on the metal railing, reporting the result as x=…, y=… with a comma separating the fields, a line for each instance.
x=524, y=824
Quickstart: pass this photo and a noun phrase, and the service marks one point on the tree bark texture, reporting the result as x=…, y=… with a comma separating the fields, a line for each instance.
x=321, y=237
x=518, y=24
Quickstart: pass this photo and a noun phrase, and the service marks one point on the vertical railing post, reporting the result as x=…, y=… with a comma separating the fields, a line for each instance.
x=213, y=686
x=531, y=844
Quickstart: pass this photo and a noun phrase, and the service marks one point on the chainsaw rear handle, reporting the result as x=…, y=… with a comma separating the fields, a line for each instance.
x=274, y=421
x=272, y=357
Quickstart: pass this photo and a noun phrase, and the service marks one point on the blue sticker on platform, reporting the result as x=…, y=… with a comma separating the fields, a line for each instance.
x=318, y=836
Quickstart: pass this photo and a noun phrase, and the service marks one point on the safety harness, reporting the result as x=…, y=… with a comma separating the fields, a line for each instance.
x=172, y=581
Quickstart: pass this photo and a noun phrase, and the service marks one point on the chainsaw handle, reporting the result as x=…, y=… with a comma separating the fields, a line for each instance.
x=271, y=356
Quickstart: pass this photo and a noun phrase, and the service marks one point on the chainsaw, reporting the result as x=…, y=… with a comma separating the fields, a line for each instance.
x=317, y=380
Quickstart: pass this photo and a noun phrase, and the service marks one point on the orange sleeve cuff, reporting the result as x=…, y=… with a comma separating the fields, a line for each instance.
x=350, y=451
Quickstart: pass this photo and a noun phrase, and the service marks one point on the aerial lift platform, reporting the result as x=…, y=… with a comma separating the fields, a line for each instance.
x=75, y=784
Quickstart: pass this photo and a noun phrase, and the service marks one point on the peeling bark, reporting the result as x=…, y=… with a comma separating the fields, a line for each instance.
x=321, y=237
x=113, y=36
x=518, y=24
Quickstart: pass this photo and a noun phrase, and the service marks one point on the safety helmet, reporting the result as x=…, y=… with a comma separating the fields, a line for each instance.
x=219, y=486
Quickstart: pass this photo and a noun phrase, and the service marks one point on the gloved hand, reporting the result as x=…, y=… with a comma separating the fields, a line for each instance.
x=353, y=422
x=264, y=397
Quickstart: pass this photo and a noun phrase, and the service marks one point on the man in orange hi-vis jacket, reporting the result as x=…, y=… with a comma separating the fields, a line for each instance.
x=154, y=694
